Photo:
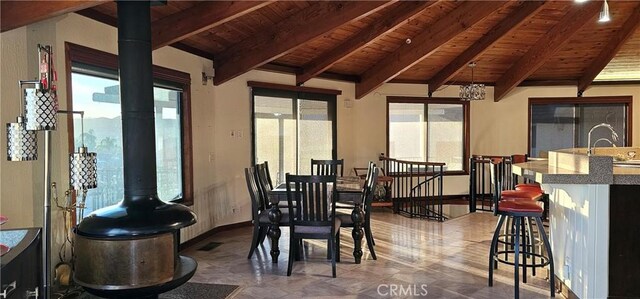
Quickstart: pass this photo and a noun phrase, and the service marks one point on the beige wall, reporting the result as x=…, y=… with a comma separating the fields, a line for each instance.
x=16, y=199
x=220, y=192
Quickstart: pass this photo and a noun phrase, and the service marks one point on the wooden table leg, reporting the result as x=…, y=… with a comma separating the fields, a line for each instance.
x=357, y=215
x=274, y=233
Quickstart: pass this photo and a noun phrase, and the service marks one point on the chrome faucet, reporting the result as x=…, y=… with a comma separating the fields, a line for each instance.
x=614, y=136
x=604, y=139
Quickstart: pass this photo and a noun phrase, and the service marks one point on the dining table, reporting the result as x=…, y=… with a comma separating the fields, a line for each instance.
x=347, y=190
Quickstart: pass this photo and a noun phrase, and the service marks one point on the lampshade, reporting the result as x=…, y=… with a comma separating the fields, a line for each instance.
x=83, y=173
x=472, y=92
x=21, y=144
x=41, y=108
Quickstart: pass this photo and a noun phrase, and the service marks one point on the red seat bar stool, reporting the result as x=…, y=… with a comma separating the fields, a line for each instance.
x=519, y=209
x=520, y=158
x=527, y=193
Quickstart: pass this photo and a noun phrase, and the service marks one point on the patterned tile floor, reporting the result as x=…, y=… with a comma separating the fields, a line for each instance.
x=443, y=260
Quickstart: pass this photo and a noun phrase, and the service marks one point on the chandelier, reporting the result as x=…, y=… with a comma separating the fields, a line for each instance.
x=472, y=92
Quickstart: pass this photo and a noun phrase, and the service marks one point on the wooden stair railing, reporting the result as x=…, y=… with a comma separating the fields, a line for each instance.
x=417, y=187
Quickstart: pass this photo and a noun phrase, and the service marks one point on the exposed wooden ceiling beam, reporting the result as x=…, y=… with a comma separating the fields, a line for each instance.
x=206, y=15
x=14, y=14
x=610, y=50
x=193, y=50
x=402, y=12
x=280, y=39
x=288, y=69
x=96, y=15
x=546, y=46
x=511, y=22
x=112, y=21
x=425, y=43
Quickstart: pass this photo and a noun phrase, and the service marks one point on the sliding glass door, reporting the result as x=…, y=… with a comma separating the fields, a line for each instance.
x=290, y=129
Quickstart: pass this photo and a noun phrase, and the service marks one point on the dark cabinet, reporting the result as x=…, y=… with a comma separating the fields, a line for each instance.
x=21, y=266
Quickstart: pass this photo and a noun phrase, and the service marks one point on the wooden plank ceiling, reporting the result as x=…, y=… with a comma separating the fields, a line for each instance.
x=513, y=42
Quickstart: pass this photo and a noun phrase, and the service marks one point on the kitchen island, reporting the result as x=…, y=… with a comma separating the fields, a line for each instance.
x=594, y=219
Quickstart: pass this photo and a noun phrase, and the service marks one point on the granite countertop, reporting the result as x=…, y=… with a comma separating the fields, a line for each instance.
x=573, y=166
x=626, y=175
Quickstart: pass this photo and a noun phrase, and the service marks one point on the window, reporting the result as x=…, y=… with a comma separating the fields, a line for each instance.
x=292, y=127
x=429, y=129
x=94, y=89
x=557, y=123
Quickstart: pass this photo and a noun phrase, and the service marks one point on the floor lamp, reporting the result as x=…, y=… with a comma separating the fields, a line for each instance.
x=39, y=109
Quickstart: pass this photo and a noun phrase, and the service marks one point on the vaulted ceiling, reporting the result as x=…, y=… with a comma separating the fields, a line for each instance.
x=513, y=42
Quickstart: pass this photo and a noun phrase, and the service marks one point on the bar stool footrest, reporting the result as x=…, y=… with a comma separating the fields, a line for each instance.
x=544, y=263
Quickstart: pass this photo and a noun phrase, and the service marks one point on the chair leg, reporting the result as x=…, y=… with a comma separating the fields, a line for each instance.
x=525, y=249
x=337, y=247
x=532, y=245
x=329, y=249
x=367, y=234
x=298, y=250
x=367, y=230
x=333, y=256
x=263, y=235
x=373, y=241
x=292, y=249
x=547, y=246
x=516, y=257
x=254, y=240
x=494, y=245
x=507, y=237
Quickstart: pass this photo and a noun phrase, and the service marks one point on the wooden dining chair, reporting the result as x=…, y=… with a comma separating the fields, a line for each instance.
x=327, y=167
x=314, y=217
x=265, y=184
x=259, y=212
x=367, y=198
x=362, y=173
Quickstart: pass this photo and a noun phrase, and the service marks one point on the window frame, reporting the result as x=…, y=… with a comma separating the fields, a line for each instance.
x=466, y=110
x=296, y=93
x=627, y=100
x=80, y=54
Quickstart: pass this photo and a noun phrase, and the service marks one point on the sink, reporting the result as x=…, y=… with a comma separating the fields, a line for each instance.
x=629, y=163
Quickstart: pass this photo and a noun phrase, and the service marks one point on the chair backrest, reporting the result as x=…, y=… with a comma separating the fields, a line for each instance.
x=360, y=171
x=497, y=169
x=265, y=177
x=264, y=182
x=257, y=203
x=369, y=187
x=327, y=167
x=311, y=197
x=519, y=158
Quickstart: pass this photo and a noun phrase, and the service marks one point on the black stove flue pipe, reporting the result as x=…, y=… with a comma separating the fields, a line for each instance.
x=140, y=212
x=136, y=92
x=130, y=249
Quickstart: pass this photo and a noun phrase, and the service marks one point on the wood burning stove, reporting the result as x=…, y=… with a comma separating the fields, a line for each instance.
x=131, y=249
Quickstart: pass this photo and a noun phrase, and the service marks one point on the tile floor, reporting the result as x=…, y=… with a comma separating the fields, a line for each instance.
x=447, y=260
